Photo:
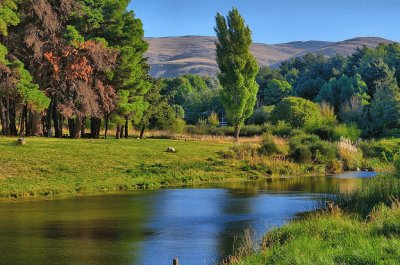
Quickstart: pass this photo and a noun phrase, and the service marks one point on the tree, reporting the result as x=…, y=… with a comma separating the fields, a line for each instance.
x=111, y=21
x=298, y=112
x=264, y=77
x=238, y=68
x=339, y=91
x=373, y=70
x=17, y=91
x=160, y=114
x=385, y=107
x=276, y=90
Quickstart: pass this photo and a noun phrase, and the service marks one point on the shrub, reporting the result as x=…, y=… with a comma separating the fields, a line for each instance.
x=201, y=126
x=261, y=115
x=325, y=132
x=301, y=154
x=213, y=119
x=298, y=112
x=349, y=131
x=273, y=146
x=384, y=149
x=328, y=114
x=307, y=148
x=179, y=125
x=396, y=163
x=251, y=130
x=282, y=128
x=349, y=154
x=240, y=152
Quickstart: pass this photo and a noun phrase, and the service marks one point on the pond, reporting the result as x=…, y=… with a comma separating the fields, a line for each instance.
x=200, y=224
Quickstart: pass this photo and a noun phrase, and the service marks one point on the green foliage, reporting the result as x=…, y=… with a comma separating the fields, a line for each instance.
x=72, y=36
x=396, y=163
x=328, y=114
x=298, y=112
x=8, y=15
x=199, y=96
x=276, y=90
x=30, y=93
x=179, y=125
x=309, y=88
x=349, y=131
x=112, y=23
x=306, y=148
x=339, y=91
x=379, y=190
x=261, y=116
x=238, y=67
x=384, y=149
x=385, y=106
x=282, y=128
x=27, y=92
x=351, y=156
x=271, y=146
x=338, y=236
x=213, y=119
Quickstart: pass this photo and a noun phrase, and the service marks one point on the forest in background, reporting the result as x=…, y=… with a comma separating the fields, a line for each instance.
x=79, y=65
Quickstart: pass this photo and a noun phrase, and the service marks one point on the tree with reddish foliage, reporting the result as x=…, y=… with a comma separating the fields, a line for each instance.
x=73, y=73
x=79, y=83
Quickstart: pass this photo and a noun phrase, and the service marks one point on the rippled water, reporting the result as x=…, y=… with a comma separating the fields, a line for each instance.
x=198, y=224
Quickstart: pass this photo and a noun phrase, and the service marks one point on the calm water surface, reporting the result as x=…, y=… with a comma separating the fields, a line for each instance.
x=197, y=224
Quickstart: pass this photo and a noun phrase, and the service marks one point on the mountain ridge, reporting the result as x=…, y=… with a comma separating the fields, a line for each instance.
x=175, y=56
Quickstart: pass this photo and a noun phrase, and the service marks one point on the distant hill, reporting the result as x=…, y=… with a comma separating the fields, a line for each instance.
x=175, y=56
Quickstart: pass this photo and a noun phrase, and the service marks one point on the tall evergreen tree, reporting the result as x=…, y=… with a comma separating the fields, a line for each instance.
x=111, y=21
x=238, y=68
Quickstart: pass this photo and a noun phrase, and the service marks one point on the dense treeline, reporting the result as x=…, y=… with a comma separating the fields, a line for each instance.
x=78, y=63
x=362, y=89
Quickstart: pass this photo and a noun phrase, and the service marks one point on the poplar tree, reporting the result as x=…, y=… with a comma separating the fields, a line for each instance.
x=238, y=68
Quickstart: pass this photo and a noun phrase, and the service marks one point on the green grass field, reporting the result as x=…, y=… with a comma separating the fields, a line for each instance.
x=47, y=167
x=362, y=228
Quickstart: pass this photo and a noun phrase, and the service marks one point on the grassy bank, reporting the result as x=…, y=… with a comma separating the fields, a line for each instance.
x=53, y=167
x=362, y=227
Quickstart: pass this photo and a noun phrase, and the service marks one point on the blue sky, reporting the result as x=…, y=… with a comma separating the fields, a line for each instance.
x=275, y=21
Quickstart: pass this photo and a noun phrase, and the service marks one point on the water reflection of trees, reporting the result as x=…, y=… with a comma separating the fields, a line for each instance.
x=92, y=230
x=295, y=184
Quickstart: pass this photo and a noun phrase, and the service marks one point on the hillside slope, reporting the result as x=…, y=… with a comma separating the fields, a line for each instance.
x=175, y=56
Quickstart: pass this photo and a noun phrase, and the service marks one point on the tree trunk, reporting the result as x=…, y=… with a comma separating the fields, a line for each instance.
x=37, y=124
x=117, y=133
x=13, y=118
x=22, y=121
x=142, y=132
x=121, y=133
x=61, y=125
x=4, y=125
x=106, y=129
x=71, y=128
x=126, y=128
x=56, y=120
x=49, y=114
x=28, y=123
x=95, y=125
x=237, y=132
x=74, y=126
x=7, y=113
x=83, y=127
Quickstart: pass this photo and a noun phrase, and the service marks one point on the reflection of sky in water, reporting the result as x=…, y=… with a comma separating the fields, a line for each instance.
x=199, y=226
x=356, y=174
